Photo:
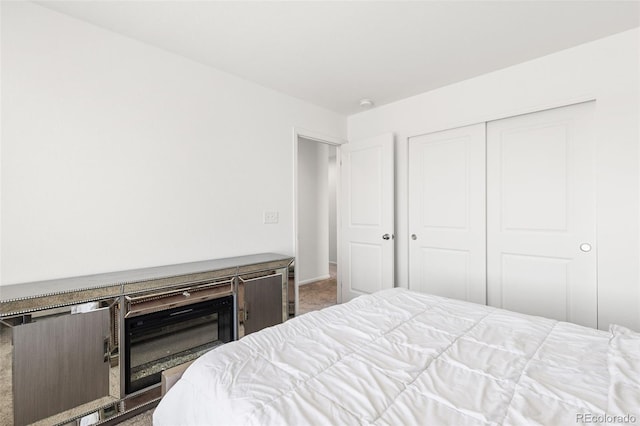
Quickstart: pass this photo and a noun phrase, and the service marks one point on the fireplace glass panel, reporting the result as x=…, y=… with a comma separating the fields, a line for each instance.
x=164, y=339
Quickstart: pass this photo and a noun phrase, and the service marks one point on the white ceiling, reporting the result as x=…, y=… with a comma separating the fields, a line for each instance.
x=334, y=53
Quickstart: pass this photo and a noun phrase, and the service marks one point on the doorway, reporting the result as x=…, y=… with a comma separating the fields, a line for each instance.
x=316, y=270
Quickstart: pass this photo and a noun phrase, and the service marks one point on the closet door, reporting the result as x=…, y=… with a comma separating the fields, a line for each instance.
x=447, y=213
x=541, y=228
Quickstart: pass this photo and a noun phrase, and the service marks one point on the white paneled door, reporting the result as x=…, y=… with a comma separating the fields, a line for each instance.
x=447, y=213
x=541, y=247
x=367, y=249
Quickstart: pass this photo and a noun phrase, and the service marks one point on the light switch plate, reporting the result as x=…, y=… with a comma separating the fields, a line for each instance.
x=271, y=217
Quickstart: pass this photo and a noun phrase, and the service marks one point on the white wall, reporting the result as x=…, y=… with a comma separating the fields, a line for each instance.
x=119, y=155
x=606, y=70
x=312, y=263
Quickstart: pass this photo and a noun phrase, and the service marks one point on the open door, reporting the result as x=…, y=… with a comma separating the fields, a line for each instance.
x=367, y=210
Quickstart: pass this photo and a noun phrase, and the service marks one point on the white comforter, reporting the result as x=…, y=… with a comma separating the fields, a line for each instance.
x=398, y=358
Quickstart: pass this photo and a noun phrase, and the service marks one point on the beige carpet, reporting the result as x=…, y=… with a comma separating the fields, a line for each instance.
x=317, y=295
x=143, y=419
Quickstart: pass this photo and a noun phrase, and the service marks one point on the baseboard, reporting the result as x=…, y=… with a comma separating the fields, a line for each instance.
x=313, y=280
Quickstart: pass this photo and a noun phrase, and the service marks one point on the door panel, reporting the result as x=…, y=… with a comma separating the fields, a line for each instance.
x=447, y=213
x=535, y=281
x=365, y=177
x=367, y=215
x=59, y=363
x=263, y=302
x=445, y=189
x=541, y=208
x=446, y=271
x=366, y=263
x=534, y=168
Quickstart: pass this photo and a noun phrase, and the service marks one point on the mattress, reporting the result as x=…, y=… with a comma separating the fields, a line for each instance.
x=398, y=357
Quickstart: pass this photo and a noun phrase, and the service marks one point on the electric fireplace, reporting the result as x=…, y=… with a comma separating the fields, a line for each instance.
x=171, y=328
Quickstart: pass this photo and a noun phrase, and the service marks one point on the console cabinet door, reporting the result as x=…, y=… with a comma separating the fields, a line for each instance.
x=262, y=302
x=59, y=363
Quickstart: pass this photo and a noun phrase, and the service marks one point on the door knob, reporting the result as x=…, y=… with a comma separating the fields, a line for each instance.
x=414, y=237
x=387, y=236
x=585, y=247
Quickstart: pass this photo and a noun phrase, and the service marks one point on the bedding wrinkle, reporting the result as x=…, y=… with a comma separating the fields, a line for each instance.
x=623, y=364
x=343, y=360
x=334, y=363
x=551, y=384
x=486, y=359
x=410, y=384
x=517, y=383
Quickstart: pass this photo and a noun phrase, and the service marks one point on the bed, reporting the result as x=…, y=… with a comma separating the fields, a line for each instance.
x=398, y=357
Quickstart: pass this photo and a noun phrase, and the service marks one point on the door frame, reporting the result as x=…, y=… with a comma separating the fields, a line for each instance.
x=327, y=140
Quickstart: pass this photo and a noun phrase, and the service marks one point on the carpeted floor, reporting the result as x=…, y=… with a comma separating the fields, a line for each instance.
x=318, y=295
x=143, y=419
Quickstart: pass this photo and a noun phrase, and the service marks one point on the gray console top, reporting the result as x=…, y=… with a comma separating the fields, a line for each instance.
x=66, y=285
